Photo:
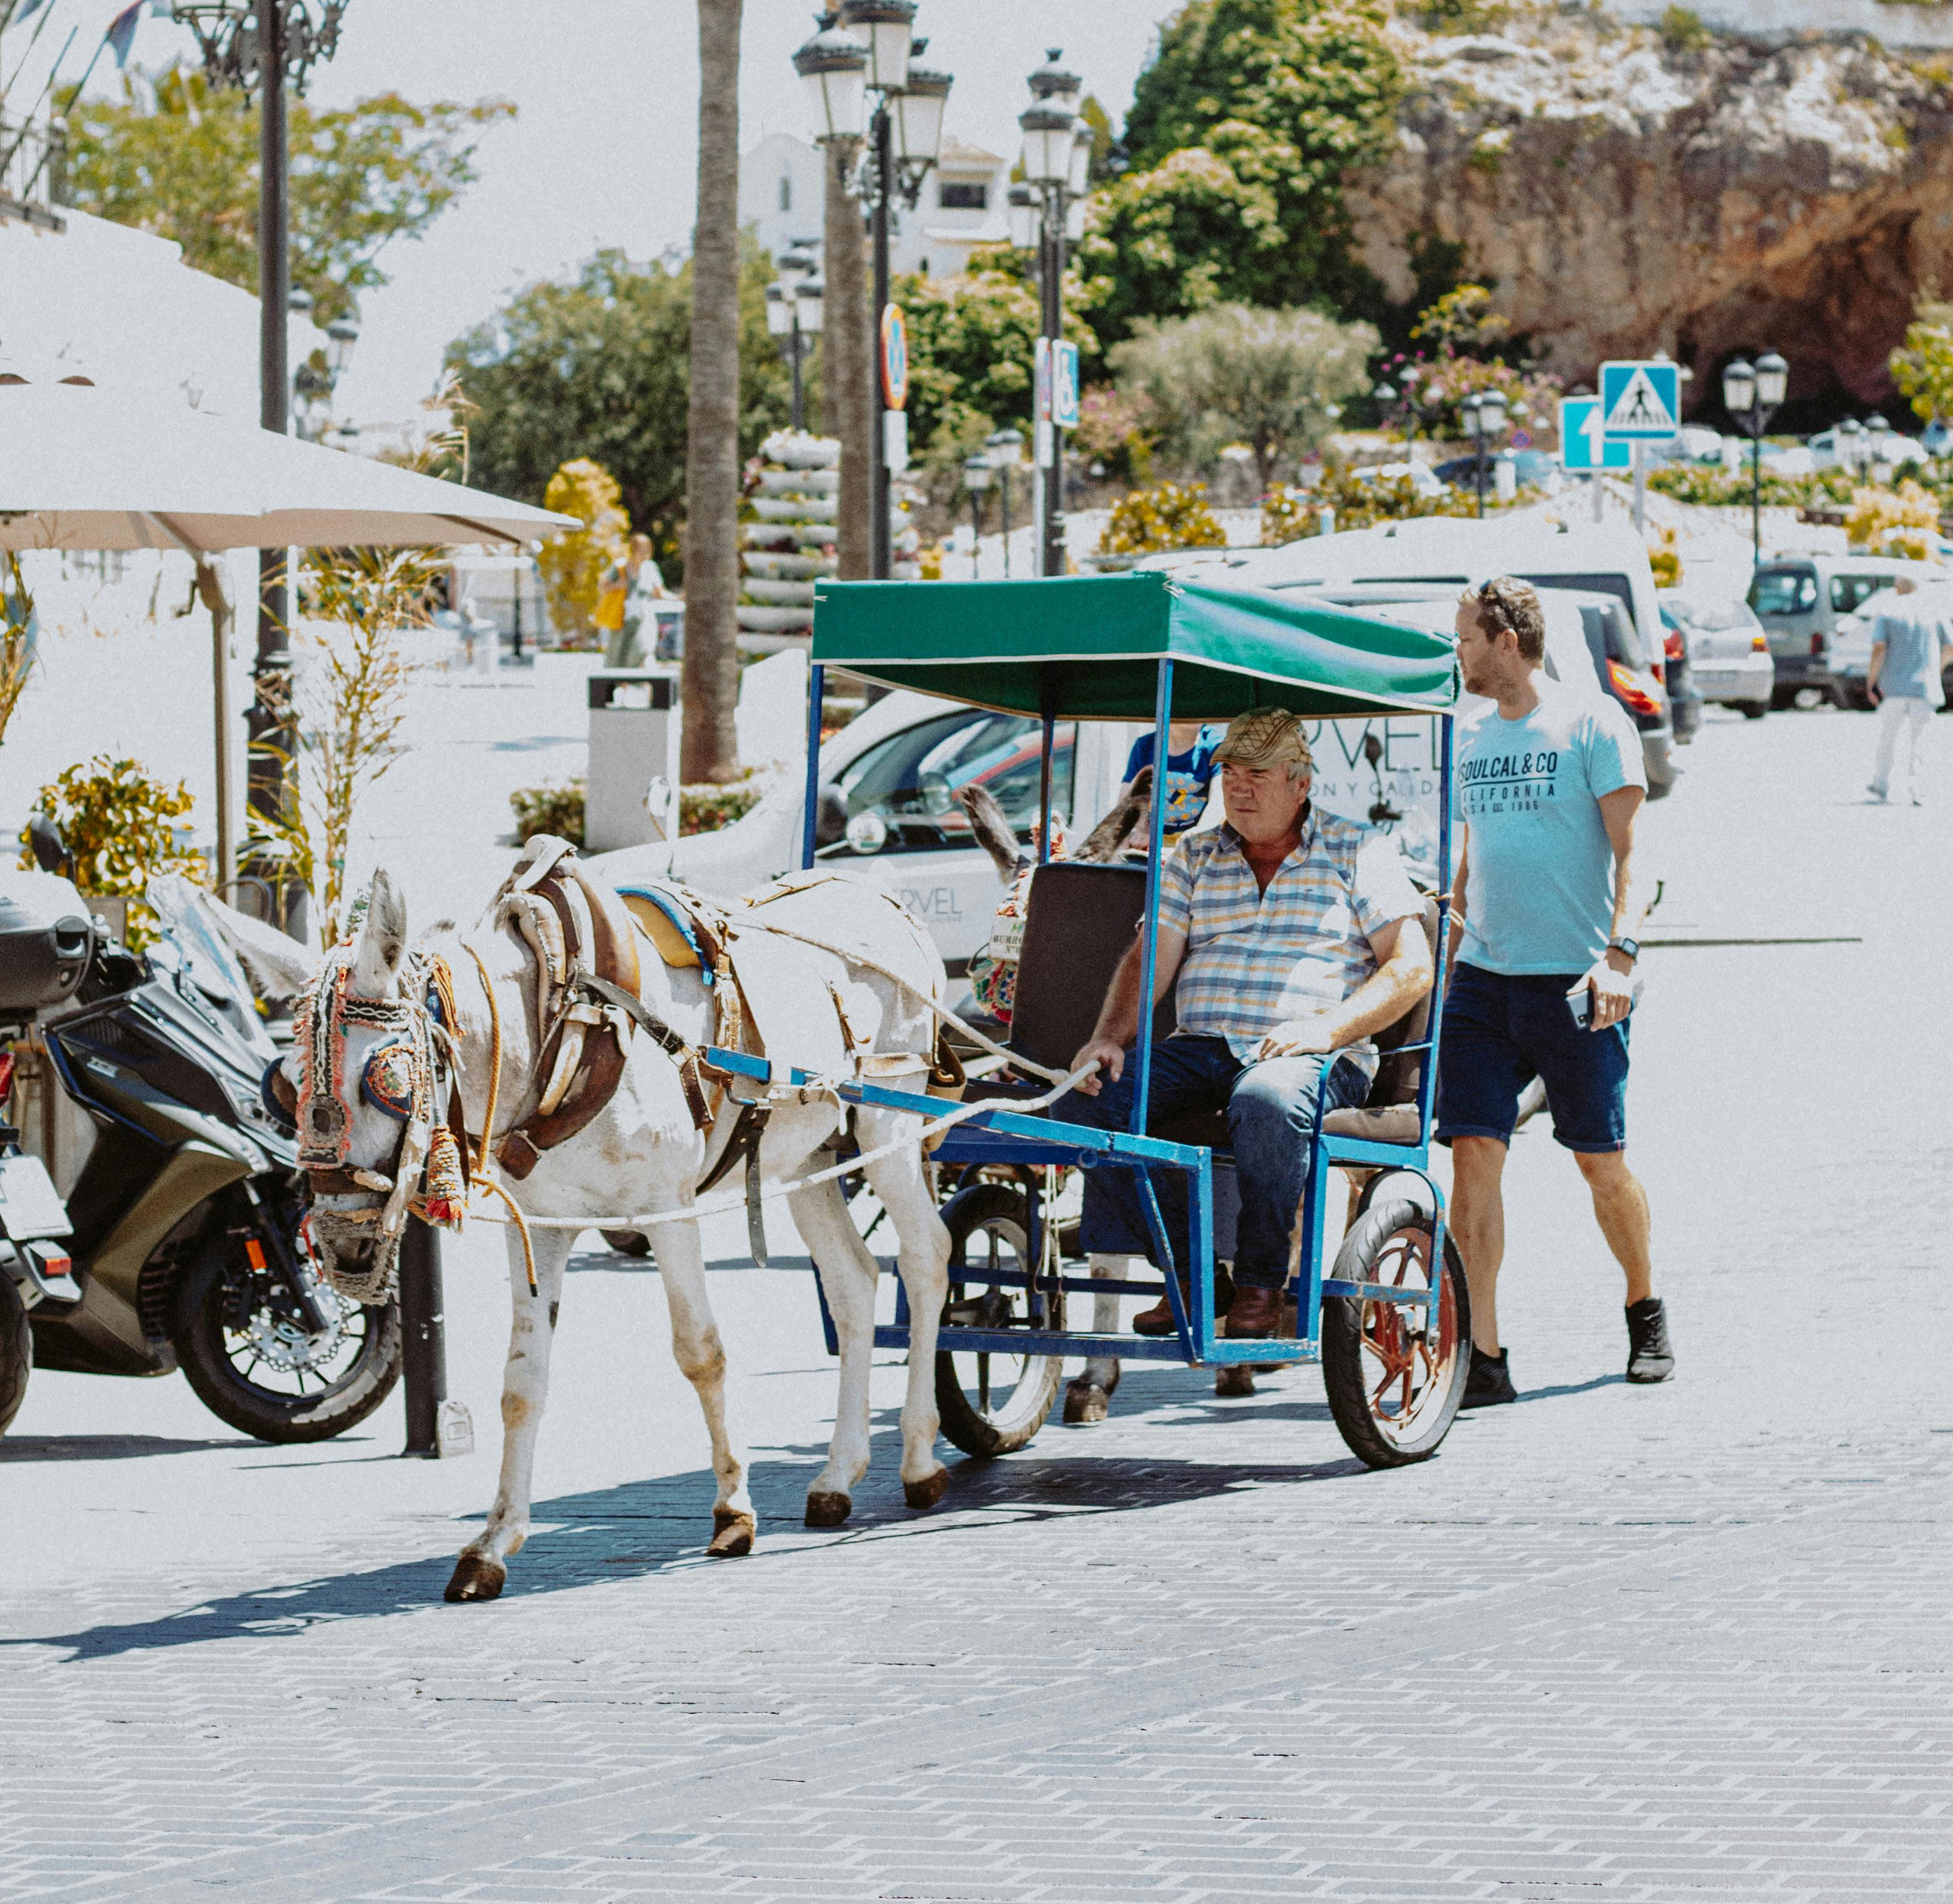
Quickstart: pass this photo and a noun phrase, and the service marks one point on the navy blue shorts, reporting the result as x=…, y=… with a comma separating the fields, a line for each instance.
x=1500, y=1034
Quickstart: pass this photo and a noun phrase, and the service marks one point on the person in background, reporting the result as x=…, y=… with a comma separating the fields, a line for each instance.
x=1909, y=649
x=1543, y=930
x=1189, y=776
x=637, y=576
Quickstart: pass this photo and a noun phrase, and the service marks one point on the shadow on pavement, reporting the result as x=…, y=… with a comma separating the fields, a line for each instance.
x=1573, y=1388
x=108, y=1447
x=641, y=1529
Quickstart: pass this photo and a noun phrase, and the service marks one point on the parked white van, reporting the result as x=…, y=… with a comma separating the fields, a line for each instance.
x=1601, y=559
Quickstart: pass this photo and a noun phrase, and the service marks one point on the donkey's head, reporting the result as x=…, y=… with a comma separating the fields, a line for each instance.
x=364, y=1084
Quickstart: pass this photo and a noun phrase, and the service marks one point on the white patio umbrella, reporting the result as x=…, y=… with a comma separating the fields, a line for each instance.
x=88, y=467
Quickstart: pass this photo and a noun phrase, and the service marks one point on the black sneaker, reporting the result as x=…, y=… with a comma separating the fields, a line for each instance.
x=1490, y=1382
x=1650, y=1357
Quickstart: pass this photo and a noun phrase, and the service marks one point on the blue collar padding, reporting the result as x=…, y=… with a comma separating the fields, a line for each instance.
x=676, y=914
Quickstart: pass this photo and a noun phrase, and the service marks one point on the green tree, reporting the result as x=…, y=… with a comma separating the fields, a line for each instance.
x=972, y=347
x=1274, y=380
x=360, y=176
x=1241, y=132
x=599, y=367
x=1922, y=368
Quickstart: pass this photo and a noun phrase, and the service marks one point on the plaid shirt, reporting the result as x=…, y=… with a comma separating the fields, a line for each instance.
x=1255, y=958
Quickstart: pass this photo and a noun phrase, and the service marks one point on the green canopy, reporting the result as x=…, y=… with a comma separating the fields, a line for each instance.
x=1095, y=642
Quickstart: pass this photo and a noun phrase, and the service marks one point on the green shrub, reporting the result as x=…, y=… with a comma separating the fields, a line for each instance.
x=1169, y=515
x=557, y=810
x=118, y=822
x=1682, y=31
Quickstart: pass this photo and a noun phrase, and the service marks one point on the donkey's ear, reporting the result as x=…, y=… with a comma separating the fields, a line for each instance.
x=382, y=943
x=279, y=965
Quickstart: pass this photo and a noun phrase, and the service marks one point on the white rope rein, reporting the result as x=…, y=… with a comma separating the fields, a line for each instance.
x=649, y=1219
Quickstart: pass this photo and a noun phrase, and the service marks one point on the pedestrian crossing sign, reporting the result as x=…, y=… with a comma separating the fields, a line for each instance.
x=1583, y=445
x=1640, y=402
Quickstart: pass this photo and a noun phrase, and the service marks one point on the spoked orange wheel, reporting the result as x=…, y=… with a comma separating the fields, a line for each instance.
x=1395, y=1378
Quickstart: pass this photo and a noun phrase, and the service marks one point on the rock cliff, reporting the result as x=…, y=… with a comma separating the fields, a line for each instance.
x=1624, y=194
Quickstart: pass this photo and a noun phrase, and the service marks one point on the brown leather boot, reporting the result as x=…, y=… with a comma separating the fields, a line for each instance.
x=1254, y=1312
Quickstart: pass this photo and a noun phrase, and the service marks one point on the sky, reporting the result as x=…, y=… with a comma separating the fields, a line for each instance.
x=602, y=151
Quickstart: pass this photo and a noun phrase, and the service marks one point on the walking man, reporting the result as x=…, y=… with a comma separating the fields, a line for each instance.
x=1542, y=933
x=1292, y=936
x=1908, y=652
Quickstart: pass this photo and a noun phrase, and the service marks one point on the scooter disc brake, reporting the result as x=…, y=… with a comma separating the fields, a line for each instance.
x=281, y=1342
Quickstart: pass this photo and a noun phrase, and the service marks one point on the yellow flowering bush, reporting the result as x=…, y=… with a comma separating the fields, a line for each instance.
x=1169, y=515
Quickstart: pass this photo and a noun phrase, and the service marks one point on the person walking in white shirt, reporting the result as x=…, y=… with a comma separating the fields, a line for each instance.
x=1909, y=651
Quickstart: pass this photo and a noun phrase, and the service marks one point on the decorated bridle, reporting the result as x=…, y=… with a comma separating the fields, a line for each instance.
x=409, y=1076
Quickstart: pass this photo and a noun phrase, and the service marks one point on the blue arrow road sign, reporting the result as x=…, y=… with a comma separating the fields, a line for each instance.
x=1582, y=445
x=1640, y=402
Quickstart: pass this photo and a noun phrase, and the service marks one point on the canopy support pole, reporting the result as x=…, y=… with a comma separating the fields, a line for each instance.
x=217, y=599
x=817, y=681
x=1047, y=695
x=1142, y=1058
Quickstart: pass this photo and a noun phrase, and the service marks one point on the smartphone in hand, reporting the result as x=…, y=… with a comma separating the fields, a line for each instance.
x=1580, y=1002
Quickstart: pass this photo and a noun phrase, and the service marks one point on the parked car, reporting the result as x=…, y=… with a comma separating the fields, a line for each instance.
x=1605, y=560
x=1531, y=466
x=1424, y=480
x=1727, y=654
x=1677, y=677
x=1800, y=601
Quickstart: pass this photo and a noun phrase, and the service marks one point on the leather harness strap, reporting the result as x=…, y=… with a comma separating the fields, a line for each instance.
x=609, y=980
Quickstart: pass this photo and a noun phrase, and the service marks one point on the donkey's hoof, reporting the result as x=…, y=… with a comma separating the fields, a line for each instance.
x=732, y=1534
x=1233, y=1380
x=825, y=1510
x=1086, y=1402
x=926, y=1492
x=477, y=1576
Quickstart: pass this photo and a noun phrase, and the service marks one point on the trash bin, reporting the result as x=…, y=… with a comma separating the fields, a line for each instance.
x=631, y=794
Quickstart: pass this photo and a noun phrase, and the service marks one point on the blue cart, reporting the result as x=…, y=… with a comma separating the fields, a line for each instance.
x=1389, y=1321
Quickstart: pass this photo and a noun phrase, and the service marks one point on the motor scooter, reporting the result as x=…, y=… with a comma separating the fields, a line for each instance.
x=181, y=1239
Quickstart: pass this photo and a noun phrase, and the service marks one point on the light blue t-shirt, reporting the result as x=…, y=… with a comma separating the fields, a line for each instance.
x=1910, y=669
x=1188, y=776
x=1540, y=892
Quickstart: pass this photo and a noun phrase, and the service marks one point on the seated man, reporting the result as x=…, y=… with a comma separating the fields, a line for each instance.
x=1293, y=934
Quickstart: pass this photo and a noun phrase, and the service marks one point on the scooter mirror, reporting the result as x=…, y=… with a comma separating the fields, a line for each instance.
x=50, y=850
x=1373, y=749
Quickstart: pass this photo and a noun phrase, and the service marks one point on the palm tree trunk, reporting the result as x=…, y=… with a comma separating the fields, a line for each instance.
x=710, y=747
x=847, y=351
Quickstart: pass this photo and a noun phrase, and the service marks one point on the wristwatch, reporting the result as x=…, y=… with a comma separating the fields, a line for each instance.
x=1620, y=942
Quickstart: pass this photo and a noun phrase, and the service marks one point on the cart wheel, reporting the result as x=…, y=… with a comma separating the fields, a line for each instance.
x=1392, y=1386
x=990, y=1405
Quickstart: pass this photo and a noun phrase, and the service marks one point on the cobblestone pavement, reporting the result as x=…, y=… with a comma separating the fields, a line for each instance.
x=1613, y=1643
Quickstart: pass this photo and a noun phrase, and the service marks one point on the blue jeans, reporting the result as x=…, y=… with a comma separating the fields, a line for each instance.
x=1270, y=1112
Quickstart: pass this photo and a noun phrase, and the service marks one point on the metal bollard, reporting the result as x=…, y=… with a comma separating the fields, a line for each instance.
x=437, y=1427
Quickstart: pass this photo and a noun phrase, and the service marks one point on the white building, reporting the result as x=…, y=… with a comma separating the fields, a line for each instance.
x=781, y=197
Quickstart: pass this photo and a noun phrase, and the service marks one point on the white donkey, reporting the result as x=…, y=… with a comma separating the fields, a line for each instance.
x=643, y=1154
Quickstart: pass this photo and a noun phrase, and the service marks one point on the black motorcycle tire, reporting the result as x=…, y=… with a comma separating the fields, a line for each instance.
x=17, y=1353
x=263, y=1413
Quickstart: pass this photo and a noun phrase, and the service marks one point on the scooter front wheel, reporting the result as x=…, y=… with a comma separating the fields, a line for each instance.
x=17, y=1353
x=253, y=1365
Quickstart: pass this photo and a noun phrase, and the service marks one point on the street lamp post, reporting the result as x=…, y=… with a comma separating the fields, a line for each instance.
x=868, y=45
x=1484, y=415
x=1046, y=211
x=1002, y=448
x=794, y=312
x=1751, y=394
x=976, y=479
x=255, y=45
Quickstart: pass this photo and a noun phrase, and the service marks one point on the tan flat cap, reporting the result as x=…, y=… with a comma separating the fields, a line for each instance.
x=1263, y=737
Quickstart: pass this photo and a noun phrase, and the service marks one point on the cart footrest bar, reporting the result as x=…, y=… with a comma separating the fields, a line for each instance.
x=1377, y=1292
x=1066, y=1342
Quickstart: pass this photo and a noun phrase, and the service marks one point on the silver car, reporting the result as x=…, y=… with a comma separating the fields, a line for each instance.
x=1729, y=654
